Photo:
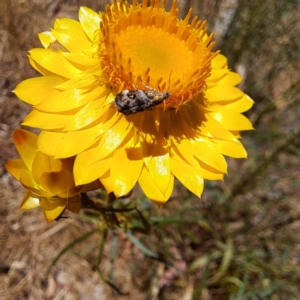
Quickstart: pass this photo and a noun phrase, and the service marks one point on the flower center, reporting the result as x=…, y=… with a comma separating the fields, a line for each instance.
x=144, y=45
x=159, y=51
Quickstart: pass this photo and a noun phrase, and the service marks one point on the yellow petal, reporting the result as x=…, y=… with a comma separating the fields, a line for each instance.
x=209, y=172
x=88, y=168
x=74, y=39
x=37, y=191
x=84, y=61
x=231, y=78
x=47, y=121
x=188, y=176
x=46, y=38
x=15, y=167
x=131, y=159
x=48, y=140
x=241, y=105
x=206, y=152
x=53, y=208
x=79, y=81
x=41, y=164
x=54, y=62
x=113, y=137
x=189, y=119
x=90, y=22
x=68, y=24
x=217, y=130
x=30, y=201
x=151, y=189
x=215, y=76
x=106, y=119
x=232, y=149
x=62, y=145
x=57, y=182
x=221, y=93
x=219, y=62
x=70, y=99
x=70, y=34
x=35, y=90
x=68, y=193
x=230, y=119
x=153, y=144
x=53, y=175
x=39, y=68
x=183, y=148
x=70, y=143
x=108, y=182
x=27, y=180
x=90, y=113
x=159, y=169
x=26, y=144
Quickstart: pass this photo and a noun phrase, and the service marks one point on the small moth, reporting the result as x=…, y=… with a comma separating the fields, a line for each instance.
x=130, y=102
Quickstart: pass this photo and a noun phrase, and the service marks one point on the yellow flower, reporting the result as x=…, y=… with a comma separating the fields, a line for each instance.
x=136, y=47
x=49, y=181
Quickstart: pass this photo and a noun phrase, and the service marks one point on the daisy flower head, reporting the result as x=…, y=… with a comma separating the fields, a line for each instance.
x=49, y=182
x=137, y=95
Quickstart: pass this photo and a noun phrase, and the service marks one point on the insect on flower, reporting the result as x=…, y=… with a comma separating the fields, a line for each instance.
x=130, y=102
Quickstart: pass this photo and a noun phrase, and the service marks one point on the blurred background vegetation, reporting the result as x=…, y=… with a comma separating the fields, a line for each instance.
x=241, y=240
